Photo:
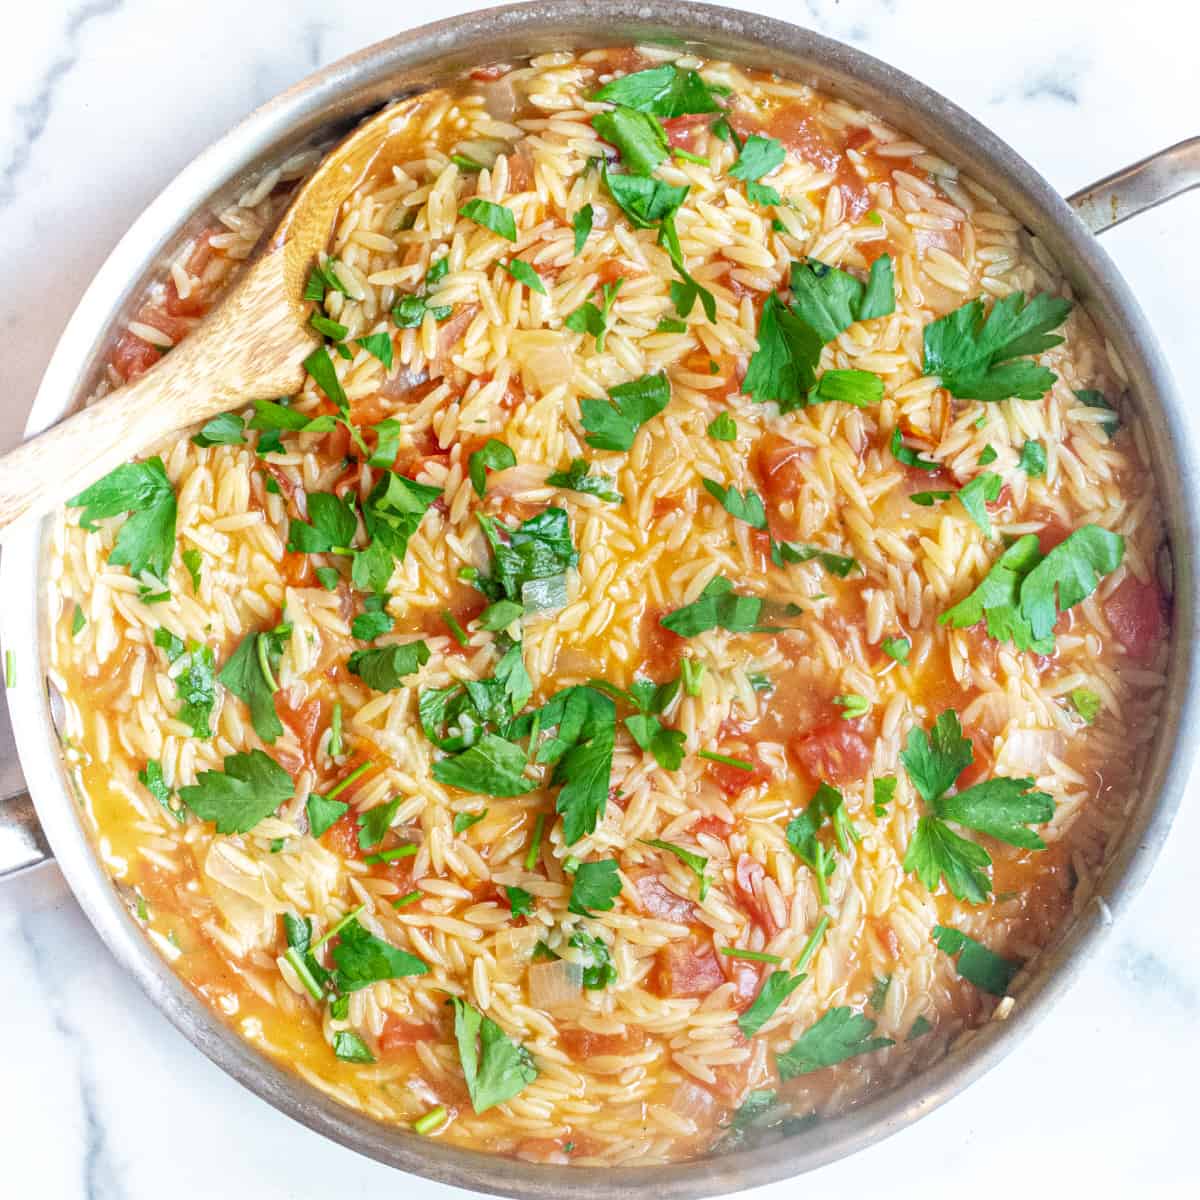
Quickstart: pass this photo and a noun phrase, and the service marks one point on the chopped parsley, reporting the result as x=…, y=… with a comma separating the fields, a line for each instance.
x=595, y=887
x=696, y=863
x=324, y=374
x=363, y=959
x=840, y=1034
x=779, y=985
x=226, y=429
x=581, y=224
x=349, y=1047
x=986, y=358
x=910, y=458
x=665, y=91
x=639, y=138
x=897, y=648
x=720, y=607
x=146, y=541
x=577, y=479
x=491, y=216
x=331, y=526
x=1002, y=808
x=385, y=668
x=192, y=561
x=860, y=388
x=852, y=705
x=520, y=902
x=722, y=428
x=1095, y=399
x=802, y=832
x=758, y=156
x=464, y=820
x=522, y=272
x=598, y=969
x=644, y=201
x=587, y=318
x=391, y=515
x=495, y=1067
x=1033, y=459
x=249, y=675
x=977, y=964
x=526, y=560
x=1086, y=703
x=883, y=793
x=988, y=455
x=251, y=786
x=494, y=456
x=374, y=620
x=375, y=822
x=1023, y=593
x=152, y=779
x=613, y=426
x=746, y=507
x=378, y=345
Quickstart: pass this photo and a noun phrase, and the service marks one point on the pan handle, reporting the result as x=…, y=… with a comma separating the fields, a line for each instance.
x=22, y=842
x=1145, y=184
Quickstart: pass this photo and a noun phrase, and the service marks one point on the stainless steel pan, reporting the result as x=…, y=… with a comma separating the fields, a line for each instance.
x=326, y=104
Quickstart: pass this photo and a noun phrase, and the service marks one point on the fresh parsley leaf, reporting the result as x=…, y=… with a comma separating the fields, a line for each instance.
x=983, y=358
x=987, y=456
x=852, y=705
x=908, y=456
x=252, y=786
x=464, y=820
x=984, y=489
x=829, y=301
x=719, y=607
x=323, y=813
x=595, y=887
x=332, y=525
x=223, y=430
x=598, y=969
x=644, y=201
x=685, y=291
x=322, y=279
x=537, y=550
x=362, y=959
x=840, y=1034
x=270, y=416
x=330, y=329
x=920, y=1027
x=577, y=479
x=1095, y=399
x=997, y=598
x=793, y=552
x=670, y=325
x=494, y=456
x=391, y=514
x=587, y=318
x=249, y=675
x=375, y=822
x=320, y=366
x=520, y=902
x=387, y=444
x=666, y=745
x=500, y=615
x=722, y=428
x=491, y=216
x=374, y=621
x=1087, y=704
x=696, y=863
x=522, y=272
x=613, y=426
x=409, y=311
x=783, y=367
x=494, y=1067
x=349, y=1047
x=748, y=507
x=146, y=541
x=758, y=156
x=492, y=767
x=191, y=562
x=933, y=764
x=152, y=779
x=879, y=992
x=78, y=621
x=1033, y=459
x=581, y=223
x=977, y=964
x=665, y=91
x=638, y=137
x=779, y=985
x=897, y=648
x=196, y=690
x=328, y=578
x=936, y=852
x=1001, y=808
x=384, y=668
x=860, y=388
x=378, y=345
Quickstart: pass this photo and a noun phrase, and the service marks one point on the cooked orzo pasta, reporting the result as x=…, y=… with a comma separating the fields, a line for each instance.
x=689, y=642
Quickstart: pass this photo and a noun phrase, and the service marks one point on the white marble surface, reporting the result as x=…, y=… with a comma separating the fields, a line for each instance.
x=101, y=102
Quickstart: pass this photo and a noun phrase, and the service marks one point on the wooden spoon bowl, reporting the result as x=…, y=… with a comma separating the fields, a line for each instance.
x=253, y=344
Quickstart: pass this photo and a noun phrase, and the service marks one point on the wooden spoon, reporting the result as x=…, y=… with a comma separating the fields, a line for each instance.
x=253, y=344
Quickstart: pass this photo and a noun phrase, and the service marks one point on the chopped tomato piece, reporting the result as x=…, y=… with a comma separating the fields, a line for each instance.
x=746, y=977
x=712, y=825
x=795, y=125
x=1135, y=613
x=662, y=648
x=133, y=356
x=750, y=879
x=659, y=901
x=304, y=721
x=835, y=752
x=583, y=1043
x=195, y=304
x=681, y=131
x=490, y=72
x=779, y=466
x=733, y=781
x=342, y=836
x=687, y=969
x=296, y=569
x=981, y=764
x=400, y=1033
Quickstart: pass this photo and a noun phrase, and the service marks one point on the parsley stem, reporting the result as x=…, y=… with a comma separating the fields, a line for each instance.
x=688, y=156
x=814, y=940
x=460, y=634
x=387, y=856
x=335, y=731
x=431, y=1120
x=10, y=669
x=531, y=856
x=262, y=646
x=753, y=955
x=337, y=927
x=407, y=898
x=740, y=763
x=311, y=986
x=819, y=872
x=338, y=788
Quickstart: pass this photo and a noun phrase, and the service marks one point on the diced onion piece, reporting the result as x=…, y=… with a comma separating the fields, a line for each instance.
x=1027, y=752
x=514, y=949
x=544, y=356
x=542, y=595
x=693, y=1103
x=518, y=481
x=555, y=984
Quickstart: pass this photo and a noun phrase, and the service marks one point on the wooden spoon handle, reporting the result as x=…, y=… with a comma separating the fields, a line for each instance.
x=251, y=346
